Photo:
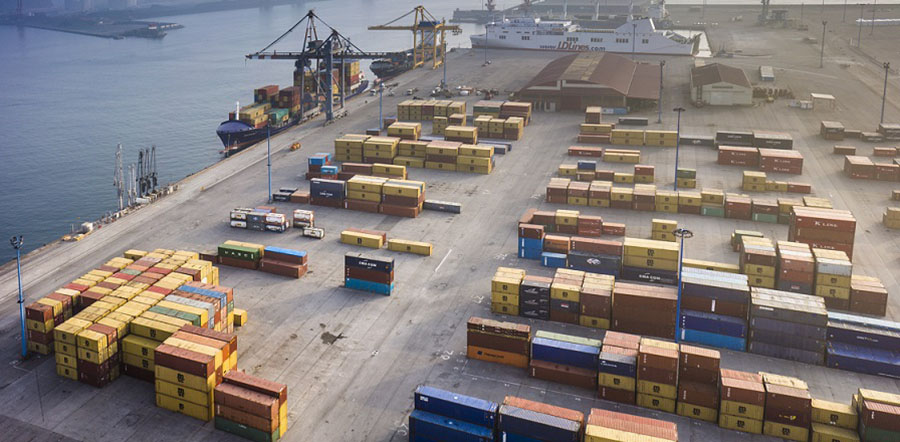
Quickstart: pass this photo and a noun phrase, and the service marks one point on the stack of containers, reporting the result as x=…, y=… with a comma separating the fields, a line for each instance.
x=411, y=153
x=561, y=358
x=621, y=198
x=304, y=218
x=442, y=415
x=380, y=149
x=315, y=162
x=657, y=376
x=868, y=295
x=782, y=161
x=596, y=300
x=650, y=261
x=663, y=230
x=599, y=194
x=521, y=419
x=500, y=342
x=349, y=148
x=285, y=262
x=438, y=125
x=403, y=198
x=833, y=277
x=713, y=203
x=40, y=320
x=490, y=108
x=405, y=131
x=595, y=255
x=534, y=297
x=483, y=124
x=879, y=415
x=686, y=178
x=796, y=268
x=742, y=401
x=364, y=193
x=660, y=138
x=630, y=137
x=328, y=193
x=604, y=425
x=788, y=411
x=753, y=181
x=689, y=202
x=478, y=159
x=513, y=128
x=863, y=345
x=643, y=174
x=369, y=273
x=556, y=249
x=618, y=367
x=240, y=254
x=531, y=241
x=98, y=355
x=833, y=421
x=519, y=109
x=714, y=307
x=442, y=155
x=644, y=309
x=593, y=114
x=738, y=156
x=188, y=368
x=577, y=193
x=788, y=326
x=645, y=197
x=462, y=134
x=589, y=225
x=251, y=407
x=891, y=217
x=565, y=295
x=505, y=287
x=698, y=383
x=395, y=171
x=66, y=346
x=557, y=190
x=758, y=261
x=738, y=206
x=823, y=228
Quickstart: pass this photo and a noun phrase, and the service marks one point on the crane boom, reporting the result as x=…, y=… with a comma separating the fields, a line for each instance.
x=428, y=35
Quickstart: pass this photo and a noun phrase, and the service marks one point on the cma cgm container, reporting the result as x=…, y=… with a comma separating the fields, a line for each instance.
x=518, y=424
x=456, y=406
x=424, y=426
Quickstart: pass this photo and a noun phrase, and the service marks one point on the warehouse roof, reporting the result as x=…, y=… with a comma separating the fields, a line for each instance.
x=614, y=72
x=718, y=73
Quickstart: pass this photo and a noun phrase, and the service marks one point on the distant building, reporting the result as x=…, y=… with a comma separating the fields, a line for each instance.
x=717, y=84
x=577, y=81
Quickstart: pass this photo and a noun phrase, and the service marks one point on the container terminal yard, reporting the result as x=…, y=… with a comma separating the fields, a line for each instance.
x=351, y=360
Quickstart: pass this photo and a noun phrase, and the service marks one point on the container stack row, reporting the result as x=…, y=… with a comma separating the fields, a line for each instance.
x=369, y=273
x=395, y=197
x=276, y=260
x=251, y=407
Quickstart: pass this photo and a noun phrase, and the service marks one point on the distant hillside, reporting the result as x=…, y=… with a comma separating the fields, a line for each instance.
x=10, y=5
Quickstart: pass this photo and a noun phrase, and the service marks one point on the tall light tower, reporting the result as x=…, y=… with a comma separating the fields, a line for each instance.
x=822, y=52
x=887, y=68
x=681, y=234
x=662, y=64
x=16, y=242
x=677, y=142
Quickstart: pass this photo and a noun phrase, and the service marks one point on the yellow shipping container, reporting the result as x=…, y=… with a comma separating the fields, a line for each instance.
x=67, y=372
x=137, y=361
x=506, y=283
x=617, y=382
x=565, y=292
x=828, y=433
x=362, y=183
x=697, y=412
x=623, y=178
x=710, y=265
x=202, y=398
x=761, y=281
x=410, y=161
x=577, y=201
x=649, y=248
x=832, y=280
x=188, y=380
x=789, y=432
x=66, y=360
x=152, y=329
x=364, y=196
x=713, y=196
x=690, y=199
x=758, y=270
x=139, y=346
x=621, y=194
x=202, y=313
x=567, y=217
x=476, y=151
x=656, y=402
x=657, y=389
x=737, y=423
x=389, y=169
x=662, y=236
x=440, y=166
x=362, y=239
x=184, y=407
x=597, y=202
x=834, y=413
x=473, y=161
x=417, y=247
x=97, y=357
x=650, y=263
x=504, y=308
x=827, y=291
x=65, y=349
x=663, y=225
x=91, y=340
x=43, y=327
x=593, y=322
x=504, y=298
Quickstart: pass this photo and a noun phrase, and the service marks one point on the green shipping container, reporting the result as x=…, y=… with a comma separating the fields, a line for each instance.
x=239, y=252
x=194, y=319
x=245, y=431
x=765, y=218
x=279, y=115
x=718, y=211
x=686, y=173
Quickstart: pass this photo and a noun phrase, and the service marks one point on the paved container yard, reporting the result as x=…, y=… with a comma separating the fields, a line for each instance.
x=351, y=360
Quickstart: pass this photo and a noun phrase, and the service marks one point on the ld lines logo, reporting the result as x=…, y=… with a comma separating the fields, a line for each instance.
x=569, y=46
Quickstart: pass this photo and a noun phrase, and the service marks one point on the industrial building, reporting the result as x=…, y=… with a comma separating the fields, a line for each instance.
x=717, y=84
x=577, y=81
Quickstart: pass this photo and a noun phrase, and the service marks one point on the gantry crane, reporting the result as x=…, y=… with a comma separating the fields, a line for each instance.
x=428, y=35
x=325, y=53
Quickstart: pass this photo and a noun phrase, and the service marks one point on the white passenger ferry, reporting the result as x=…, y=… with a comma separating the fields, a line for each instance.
x=638, y=36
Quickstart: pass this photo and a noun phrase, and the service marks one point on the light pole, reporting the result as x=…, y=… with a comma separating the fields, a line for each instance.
x=887, y=67
x=874, y=7
x=662, y=63
x=380, y=114
x=269, y=159
x=862, y=7
x=16, y=242
x=844, y=15
x=677, y=142
x=633, y=31
x=822, y=52
x=682, y=234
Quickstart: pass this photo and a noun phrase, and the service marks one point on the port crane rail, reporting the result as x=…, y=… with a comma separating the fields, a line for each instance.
x=323, y=52
x=428, y=35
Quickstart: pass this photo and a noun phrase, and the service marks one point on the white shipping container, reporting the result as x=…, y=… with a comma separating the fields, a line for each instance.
x=238, y=215
x=239, y=224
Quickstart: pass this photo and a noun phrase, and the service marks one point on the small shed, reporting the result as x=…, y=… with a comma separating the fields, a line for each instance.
x=820, y=101
x=766, y=73
x=719, y=85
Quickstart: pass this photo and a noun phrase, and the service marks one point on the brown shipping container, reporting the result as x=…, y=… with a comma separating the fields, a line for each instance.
x=644, y=328
x=599, y=246
x=563, y=316
x=540, y=407
x=622, y=340
x=39, y=312
x=246, y=400
x=282, y=268
x=533, y=231
x=244, y=418
x=185, y=361
x=617, y=395
x=499, y=327
x=880, y=415
x=408, y=212
x=720, y=307
x=668, y=377
x=369, y=275
x=596, y=302
x=563, y=374
x=504, y=343
x=787, y=417
x=695, y=393
x=633, y=424
x=698, y=358
x=738, y=390
x=259, y=385
x=240, y=263
x=660, y=358
x=528, y=217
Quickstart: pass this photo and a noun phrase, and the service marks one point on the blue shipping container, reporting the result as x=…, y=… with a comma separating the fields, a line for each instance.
x=531, y=243
x=538, y=425
x=587, y=165
x=530, y=253
x=565, y=353
x=327, y=188
x=222, y=297
x=863, y=360
x=713, y=340
x=618, y=365
x=283, y=251
x=713, y=323
x=512, y=437
x=456, y=406
x=788, y=328
x=556, y=260
x=431, y=427
x=791, y=354
x=329, y=170
x=847, y=318
x=862, y=335
x=652, y=276
x=369, y=286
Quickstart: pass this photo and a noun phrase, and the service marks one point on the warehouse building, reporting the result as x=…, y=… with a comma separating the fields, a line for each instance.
x=717, y=84
x=577, y=81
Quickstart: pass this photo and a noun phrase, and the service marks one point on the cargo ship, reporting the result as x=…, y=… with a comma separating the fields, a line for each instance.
x=396, y=64
x=634, y=36
x=274, y=111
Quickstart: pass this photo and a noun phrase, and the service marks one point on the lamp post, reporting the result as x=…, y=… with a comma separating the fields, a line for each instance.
x=822, y=52
x=887, y=67
x=380, y=114
x=859, y=32
x=633, y=32
x=16, y=242
x=874, y=7
x=677, y=142
x=269, y=159
x=682, y=234
x=844, y=15
x=662, y=64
